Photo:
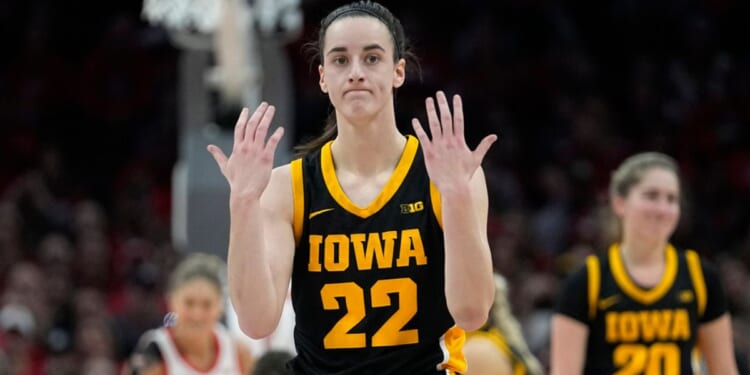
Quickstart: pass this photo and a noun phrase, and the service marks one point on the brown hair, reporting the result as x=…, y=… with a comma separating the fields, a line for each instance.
x=631, y=171
x=628, y=174
x=198, y=265
x=401, y=49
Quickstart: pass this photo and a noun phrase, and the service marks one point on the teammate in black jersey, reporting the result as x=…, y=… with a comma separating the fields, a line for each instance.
x=383, y=236
x=643, y=306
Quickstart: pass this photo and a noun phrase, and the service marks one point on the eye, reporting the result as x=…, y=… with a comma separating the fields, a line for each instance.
x=651, y=195
x=340, y=60
x=672, y=198
x=372, y=59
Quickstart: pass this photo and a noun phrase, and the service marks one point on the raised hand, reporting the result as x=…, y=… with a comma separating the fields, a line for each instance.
x=248, y=168
x=450, y=162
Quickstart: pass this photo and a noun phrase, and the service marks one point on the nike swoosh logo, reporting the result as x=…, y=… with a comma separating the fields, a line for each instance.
x=608, y=302
x=316, y=213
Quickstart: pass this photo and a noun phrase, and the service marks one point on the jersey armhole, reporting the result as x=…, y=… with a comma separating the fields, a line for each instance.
x=298, y=192
x=593, y=283
x=696, y=276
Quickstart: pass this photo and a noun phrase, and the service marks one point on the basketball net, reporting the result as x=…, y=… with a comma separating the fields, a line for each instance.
x=224, y=27
x=184, y=15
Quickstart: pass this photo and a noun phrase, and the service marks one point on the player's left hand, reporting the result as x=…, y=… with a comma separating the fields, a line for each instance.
x=449, y=160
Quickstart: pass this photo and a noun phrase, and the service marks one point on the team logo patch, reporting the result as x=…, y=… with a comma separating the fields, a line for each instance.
x=685, y=296
x=318, y=212
x=410, y=208
x=608, y=302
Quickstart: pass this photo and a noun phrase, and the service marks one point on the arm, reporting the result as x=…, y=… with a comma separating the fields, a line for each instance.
x=261, y=239
x=469, y=288
x=261, y=252
x=455, y=170
x=715, y=343
x=715, y=325
x=244, y=357
x=153, y=370
x=569, y=332
x=568, y=342
x=483, y=357
x=145, y=360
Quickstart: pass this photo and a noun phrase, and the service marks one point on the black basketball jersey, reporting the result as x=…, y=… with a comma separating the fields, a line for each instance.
x=633, y=330
x=368, y=284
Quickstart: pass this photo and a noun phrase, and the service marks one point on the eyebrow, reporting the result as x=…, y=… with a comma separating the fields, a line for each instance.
x=368, y=47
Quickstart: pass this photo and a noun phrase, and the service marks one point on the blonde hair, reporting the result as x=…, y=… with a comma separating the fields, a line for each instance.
x=502, y=319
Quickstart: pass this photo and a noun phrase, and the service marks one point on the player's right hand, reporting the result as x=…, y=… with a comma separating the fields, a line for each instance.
x=248, y=168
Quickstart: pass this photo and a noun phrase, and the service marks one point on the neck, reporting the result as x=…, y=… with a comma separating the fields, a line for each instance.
x=642, y=252
x=368, y=148
x=193, y=342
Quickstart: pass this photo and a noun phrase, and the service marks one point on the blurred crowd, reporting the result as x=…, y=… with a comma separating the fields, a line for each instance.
x=88, y=107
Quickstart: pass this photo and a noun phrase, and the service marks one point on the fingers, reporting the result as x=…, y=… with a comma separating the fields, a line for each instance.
x=445, y=113
x=219, y=156
x=248, y=127
x=484, y=146
x=458, y=118
x=424, y=140
x=274, y=141
x=259, y=137
x=445, y=123
x=239, y=127
x=433, y=120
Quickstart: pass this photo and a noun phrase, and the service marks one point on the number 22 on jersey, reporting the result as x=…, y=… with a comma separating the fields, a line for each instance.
x=391, y=333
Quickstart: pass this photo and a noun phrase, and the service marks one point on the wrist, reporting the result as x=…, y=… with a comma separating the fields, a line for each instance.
x=455, y=191
x=243, y=201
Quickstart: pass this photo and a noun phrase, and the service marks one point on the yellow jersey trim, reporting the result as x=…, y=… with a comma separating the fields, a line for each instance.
x=390, y=188
x=452, y=343
x=594, y=283
x=699, y=282
x=646, y=297
x=437, y=205
x=298, y=192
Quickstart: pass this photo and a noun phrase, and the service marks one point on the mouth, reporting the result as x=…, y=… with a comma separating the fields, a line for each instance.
x=356, y=91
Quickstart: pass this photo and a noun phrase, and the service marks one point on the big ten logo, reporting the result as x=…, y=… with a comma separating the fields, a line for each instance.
x=410, y=208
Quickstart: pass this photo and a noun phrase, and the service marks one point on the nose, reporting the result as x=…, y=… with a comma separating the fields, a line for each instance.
x=666, y=207
x=356, y=73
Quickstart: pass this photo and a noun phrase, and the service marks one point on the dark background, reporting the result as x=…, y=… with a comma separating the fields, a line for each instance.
x=88, y=139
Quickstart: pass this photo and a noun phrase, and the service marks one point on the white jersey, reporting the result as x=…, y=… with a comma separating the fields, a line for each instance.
x=226, y=363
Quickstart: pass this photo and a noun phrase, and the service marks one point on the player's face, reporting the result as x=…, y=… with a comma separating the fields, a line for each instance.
x=651, y=209
x=197, y=304
x=358, y=72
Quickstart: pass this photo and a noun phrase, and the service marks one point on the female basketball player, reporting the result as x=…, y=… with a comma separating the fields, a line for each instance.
x=194, y=343
x=643, y=306
x=385, y=244
x=499, y=347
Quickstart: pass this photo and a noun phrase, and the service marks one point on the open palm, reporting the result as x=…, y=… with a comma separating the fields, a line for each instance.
x=449, y=160
x=248, y=168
